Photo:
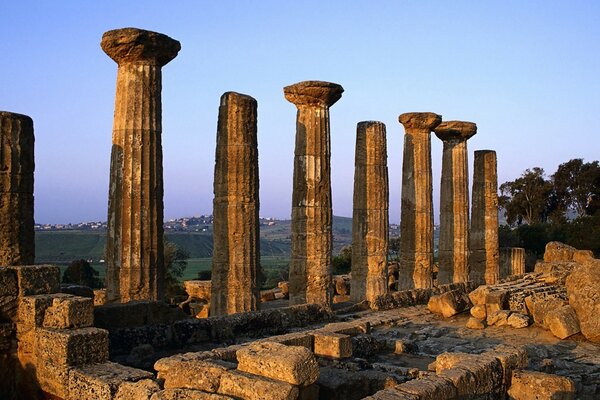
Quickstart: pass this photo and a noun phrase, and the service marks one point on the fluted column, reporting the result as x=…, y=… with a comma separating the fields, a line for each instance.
x=416, y=213
x=484, y=220
x=17, y=239
x=310, y=265
x=134, y=249
x=370, y=213
x=453, y=248
x=236, y=253
x=512, y=261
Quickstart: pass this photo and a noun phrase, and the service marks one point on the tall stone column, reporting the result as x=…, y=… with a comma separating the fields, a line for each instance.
x=134, y=248
x=370, y=214
x=236, y=252
x=484, y=220
x=416, y=212
x=512, y=261
x=17, y=238
x=453, y=249
x=310, y=265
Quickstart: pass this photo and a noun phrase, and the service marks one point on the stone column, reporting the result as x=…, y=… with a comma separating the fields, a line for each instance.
x=512, y=261
x=236, y=253
x=17, y=238
x=416, y=213
x=453, y=249
x=134, y=248
x=310, y=265
x=483, y=241
x=370, y=214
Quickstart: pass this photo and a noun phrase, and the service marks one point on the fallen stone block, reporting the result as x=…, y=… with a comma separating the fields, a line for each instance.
x=187, y=394
x=496, y=300
x=429, y=388
x=196, y=289
x=583, y=287
x=449, y=303
x=479, y=311
x=581, y=256
x=333, y=345
x=557, y=251
x=539, y=307
x=474, y=323
x=479, y=295
x=342, y=285
x=471, y=374
x=511, y=358
x=562, y=322
x=292, y=364
x=498, y=318
x=193, y=374
x=37, y=279
x=140, y=390
x=302, y=338
x=101, y=381
x=243, y=385
x=527, y=385
x=69, y=312
x=71, y=347
x=518, y=320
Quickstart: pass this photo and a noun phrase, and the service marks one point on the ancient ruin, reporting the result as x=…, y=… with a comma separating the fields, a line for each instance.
x=416, y=212
x=134, y=250
x=483, y=239
x=526, y=333
x=370, y=213
x=310, y=264
x=17, y=244
x=453, y=248
x=236, y=254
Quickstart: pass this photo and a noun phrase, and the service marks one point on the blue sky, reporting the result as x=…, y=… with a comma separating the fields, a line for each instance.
x=527, y=72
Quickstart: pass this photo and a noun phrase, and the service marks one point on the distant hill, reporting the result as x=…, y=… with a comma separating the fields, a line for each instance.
x=63, y=246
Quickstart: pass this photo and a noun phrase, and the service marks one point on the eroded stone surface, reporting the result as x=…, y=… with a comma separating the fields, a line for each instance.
x=583, y=288
x=416, y=215
x=236, y=249
x=527, y=384
x=134, y=248
x=310, y=264
x=370, y=213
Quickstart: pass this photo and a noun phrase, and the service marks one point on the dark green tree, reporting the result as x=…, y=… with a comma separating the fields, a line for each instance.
x=80, y=272
x=342, y=263
x=527, y=198
x=394, y=248
x=576, y=186
x=175, y=265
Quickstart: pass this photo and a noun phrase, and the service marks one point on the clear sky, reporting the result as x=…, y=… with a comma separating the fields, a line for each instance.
x=527, y=72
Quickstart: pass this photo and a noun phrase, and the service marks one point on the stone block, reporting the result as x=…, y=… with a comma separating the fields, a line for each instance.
x=333, y=345
x=348, y=328
x=200, y=290
x=479, y=311
x=302, y=338
x=562, y=322
x=37, y=279
x=69, y=312
x=341, y=298
x=8, y=294
x=203, y=375
x=498, y=318
x=479, y=295
x=583, y=286
x=471, y=374
x=581, y=256
x=71, y=347
x=292, y=364
x=101, y=381
x=511, y=358
x=496, y=300
x=166, y=363
x=557, y=251
x=342, y=285
x=140, y=390
x=99, y=297
x=392, y=394
x=32, y=310
x=474, y=323
x=187, y=394
x=429, y=388
x=517, y=320
x=528, y=385
x=53, y=379
x=539, y=307
x=449, y=303
x=243, y=385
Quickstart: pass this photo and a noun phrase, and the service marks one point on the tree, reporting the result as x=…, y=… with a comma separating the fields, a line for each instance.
x=394, y=248
x=528, y=198
x=577, y=186
x=175, y=265
x=342, y=263
x=80, y=272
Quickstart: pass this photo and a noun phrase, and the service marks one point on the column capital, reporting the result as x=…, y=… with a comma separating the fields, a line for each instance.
x=132, y=45
x=455, y=130
x=420, y=120
x=313, y=93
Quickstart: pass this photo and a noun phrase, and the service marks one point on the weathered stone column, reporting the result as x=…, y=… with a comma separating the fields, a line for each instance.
x=236, y=252
x=512, y=261
x=484, y=220
x=370, y=213
x=17, y=238
x=310, y=265
x=416, y=213
x=453, y=249
x=134, y=248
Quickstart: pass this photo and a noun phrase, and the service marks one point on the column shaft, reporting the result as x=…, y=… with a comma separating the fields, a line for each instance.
x=17, y=237
x=370, y=224
x=484, y=219
x=236, y=254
